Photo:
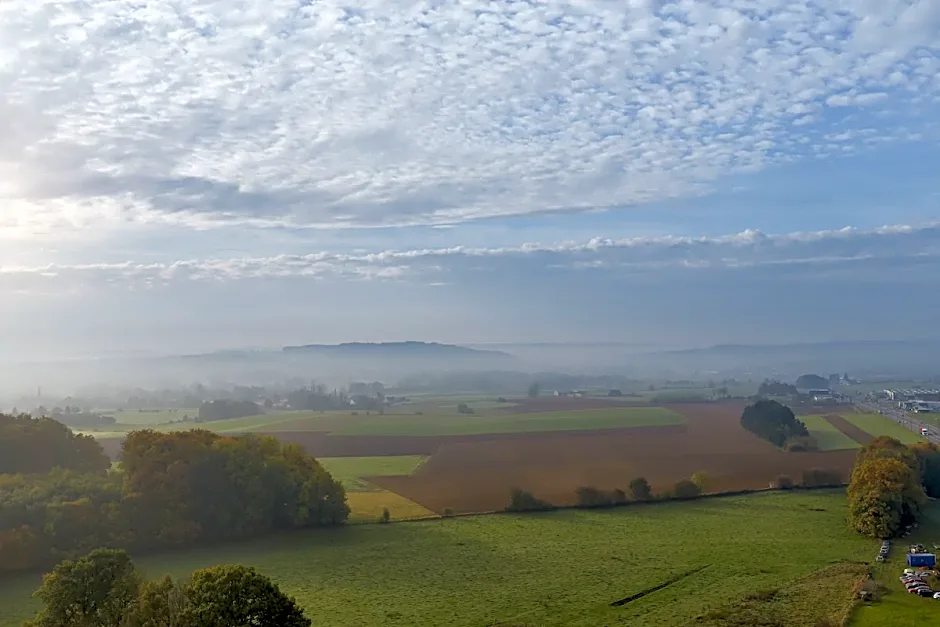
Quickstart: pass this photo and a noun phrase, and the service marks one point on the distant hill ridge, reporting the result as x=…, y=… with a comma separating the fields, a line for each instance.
x=382, y=349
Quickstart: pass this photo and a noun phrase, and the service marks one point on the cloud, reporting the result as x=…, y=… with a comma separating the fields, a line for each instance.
x=372, y=113
x=819, y=249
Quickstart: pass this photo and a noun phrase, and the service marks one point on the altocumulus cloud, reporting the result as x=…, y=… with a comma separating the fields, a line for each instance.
x=369, y=112
x=888, y=246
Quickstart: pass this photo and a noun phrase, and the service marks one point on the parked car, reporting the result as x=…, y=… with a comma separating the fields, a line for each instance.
x=925, y=592
x=936, y=595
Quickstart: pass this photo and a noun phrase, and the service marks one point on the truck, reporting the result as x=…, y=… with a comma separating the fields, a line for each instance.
x=924, y=431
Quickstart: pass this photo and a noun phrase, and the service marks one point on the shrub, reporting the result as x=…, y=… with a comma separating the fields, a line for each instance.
x=589, y=496
x=783, y=482
x=801, y=443
x=686, y=489
x=523, y=501
x=640, y=489
x=386, y=516
x=447, y=513
x=821, y=477
x=463, y=408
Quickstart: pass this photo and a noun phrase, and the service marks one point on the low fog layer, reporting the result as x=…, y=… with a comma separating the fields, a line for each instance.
x=394, y=363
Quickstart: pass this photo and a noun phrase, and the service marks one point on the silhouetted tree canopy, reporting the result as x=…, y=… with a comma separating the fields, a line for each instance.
x=686, y=489
x=640, y=489
x=772, y=421
x=523, y=501
x=928, y=465
x=776, y=388
x=812, y=382
x=37, y=445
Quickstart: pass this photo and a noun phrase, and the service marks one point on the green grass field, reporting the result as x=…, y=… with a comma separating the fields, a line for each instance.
x=557, y=568
x=828, y=437
x=876, y=424
x=351, y=470
x=509, y=423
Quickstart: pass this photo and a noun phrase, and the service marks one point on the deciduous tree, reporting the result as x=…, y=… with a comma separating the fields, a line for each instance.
x=640, y=489
x=94, y=591
x=227, y=596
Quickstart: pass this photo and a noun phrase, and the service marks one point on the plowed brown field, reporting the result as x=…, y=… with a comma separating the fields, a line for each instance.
x=472, y=473
x=476, y=476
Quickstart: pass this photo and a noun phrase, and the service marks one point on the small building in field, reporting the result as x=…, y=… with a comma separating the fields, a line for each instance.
x=919, y=560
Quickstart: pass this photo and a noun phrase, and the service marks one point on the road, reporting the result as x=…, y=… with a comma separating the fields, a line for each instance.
x=891, y=411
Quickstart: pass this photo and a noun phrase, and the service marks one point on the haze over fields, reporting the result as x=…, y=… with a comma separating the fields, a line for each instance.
x=233, y=175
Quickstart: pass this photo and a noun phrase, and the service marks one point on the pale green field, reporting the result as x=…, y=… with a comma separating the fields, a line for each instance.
x=827, y=436
x=876, y=425
x=510, y=423
x=350, y=471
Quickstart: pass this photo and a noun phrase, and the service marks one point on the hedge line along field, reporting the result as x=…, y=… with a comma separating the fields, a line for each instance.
x=550, y=569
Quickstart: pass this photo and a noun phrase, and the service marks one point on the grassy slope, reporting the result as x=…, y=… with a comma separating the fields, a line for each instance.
x=560, y=568
x=897, y=608
x=828, y=437
x=510, y=423
x=876, y=424
x=351, y=470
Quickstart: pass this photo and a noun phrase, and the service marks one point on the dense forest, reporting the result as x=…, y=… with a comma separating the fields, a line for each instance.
x=173, y=489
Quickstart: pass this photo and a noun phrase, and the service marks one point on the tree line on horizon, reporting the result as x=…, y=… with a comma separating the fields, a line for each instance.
x=59, y=497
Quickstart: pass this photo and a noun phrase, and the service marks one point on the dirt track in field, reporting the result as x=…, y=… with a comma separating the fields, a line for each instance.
x=847, y=428
x=477, y=476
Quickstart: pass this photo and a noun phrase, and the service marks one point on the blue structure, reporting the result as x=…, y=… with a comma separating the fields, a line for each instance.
x=917, y=560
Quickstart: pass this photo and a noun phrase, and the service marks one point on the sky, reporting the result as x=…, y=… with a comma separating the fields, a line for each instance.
x=194, y=175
